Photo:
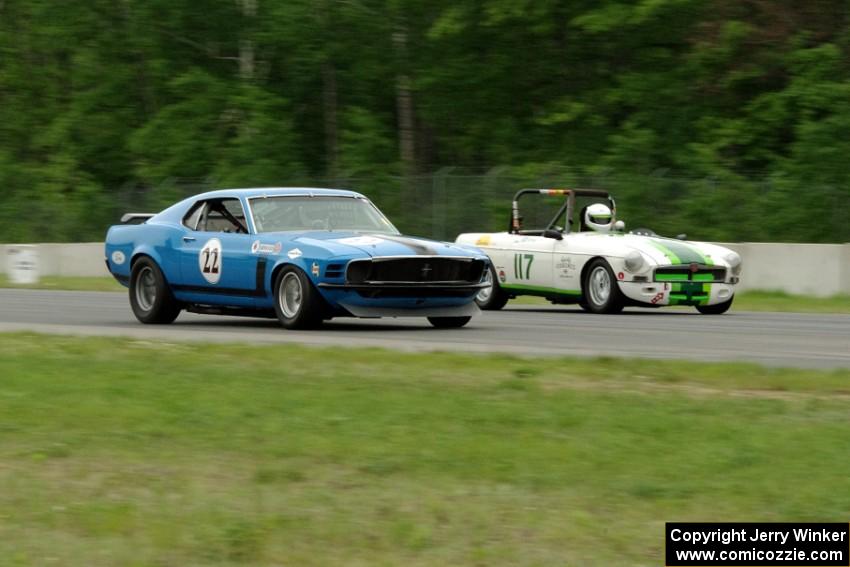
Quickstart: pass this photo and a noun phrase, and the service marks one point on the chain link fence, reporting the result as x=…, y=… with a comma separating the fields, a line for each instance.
x=450, y=201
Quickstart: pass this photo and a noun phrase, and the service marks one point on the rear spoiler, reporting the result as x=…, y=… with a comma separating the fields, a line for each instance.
x=135, y=218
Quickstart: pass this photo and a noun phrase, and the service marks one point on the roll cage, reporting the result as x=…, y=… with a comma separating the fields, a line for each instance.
x=515, y=226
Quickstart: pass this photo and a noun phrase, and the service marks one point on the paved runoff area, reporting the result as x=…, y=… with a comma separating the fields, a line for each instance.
x=776, y=339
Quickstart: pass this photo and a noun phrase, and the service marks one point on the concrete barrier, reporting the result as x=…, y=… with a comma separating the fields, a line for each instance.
x=73, y=260
x=809, y=269
x=805, y=269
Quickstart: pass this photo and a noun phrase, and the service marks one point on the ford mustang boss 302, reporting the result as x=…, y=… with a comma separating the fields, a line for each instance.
x=304, y=255
x=597, y=264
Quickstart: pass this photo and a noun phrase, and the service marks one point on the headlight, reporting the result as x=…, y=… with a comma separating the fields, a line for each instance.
x=734, y=261
x=634, y=261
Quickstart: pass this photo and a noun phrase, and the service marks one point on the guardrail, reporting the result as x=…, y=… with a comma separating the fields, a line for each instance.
x=818, y=270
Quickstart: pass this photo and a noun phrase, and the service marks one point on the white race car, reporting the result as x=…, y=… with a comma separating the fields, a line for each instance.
x=598, y=265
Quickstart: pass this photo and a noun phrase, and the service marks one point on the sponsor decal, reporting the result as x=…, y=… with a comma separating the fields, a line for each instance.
x=258, y=247
x=209, y=260
x=294, y=253
x=361, y=240
x=118, y=257
x=315, y=269
x=483, y=240
x=502, y=276
x=565, y=268
x=621, y=276
x=658, y=297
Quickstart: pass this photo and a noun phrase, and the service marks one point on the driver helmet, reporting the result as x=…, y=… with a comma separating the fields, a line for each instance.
x=598, y=217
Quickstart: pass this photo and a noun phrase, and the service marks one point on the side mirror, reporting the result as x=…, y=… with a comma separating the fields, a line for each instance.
x=552, y=233
x=682, y=236
x=620, y=226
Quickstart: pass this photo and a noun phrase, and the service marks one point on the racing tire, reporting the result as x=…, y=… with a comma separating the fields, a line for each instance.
x=449, y=322
x=296, y=302
x=150, y=297
x=716, y=309
x=494, y=297
x=600, y=291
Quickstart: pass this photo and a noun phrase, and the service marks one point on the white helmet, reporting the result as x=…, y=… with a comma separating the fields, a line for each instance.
x=598, y=217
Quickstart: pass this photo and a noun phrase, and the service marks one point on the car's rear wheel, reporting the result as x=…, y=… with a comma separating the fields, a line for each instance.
x=449, y=322
x=297, y=303
x=601, y=293
x=717, y=308
x=150, y=297
x=491, y=298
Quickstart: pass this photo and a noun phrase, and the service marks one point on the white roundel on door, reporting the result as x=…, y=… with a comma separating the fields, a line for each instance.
x=210, y=260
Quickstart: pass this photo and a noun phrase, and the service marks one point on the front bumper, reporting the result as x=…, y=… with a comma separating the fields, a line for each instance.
x=408, y=289
x=404, y=299
x=677, y=293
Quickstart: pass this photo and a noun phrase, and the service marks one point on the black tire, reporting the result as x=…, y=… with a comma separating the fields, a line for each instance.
x=449, y=322
x=296, y=302
x=716, y=309
x=150, y=297
x=494, y=297
x=600, y=290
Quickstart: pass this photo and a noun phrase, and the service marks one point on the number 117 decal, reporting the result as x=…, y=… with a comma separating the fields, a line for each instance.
x=519, y=259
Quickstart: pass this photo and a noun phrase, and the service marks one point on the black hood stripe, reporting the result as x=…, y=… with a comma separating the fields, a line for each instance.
x=420, y=247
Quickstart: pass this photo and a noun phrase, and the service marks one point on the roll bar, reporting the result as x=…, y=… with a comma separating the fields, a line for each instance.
x=569, y=204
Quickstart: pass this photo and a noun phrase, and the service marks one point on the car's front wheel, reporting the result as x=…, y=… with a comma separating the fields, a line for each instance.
x=717, y=308
x=150, y=297
x=449, y=322
x=297, y=303
x=492, y=297
x=601, y=294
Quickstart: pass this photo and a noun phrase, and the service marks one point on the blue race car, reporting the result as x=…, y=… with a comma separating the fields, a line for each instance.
x=304, y=255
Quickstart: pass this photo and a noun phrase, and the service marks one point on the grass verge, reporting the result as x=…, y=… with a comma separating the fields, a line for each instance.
x=122, y=452
x=67, y=283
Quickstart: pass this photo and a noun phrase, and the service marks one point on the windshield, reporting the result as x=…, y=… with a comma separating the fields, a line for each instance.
x=277, y=214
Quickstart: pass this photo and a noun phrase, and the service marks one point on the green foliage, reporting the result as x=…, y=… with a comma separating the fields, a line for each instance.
x=722, y=116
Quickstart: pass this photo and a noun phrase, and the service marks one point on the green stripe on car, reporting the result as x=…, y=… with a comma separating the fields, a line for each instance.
x=690, y=293
x=679, y=252
x=540, y=290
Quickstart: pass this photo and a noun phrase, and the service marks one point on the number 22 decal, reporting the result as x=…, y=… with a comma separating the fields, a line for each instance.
x=518, y=259
x=211, y=267
x=209, y=260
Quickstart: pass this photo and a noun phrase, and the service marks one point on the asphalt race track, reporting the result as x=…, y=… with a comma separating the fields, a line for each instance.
x=777, y=339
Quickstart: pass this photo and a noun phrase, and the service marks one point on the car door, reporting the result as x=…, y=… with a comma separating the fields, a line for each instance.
x=567, y=263
x=523, y=262
x=217, y=265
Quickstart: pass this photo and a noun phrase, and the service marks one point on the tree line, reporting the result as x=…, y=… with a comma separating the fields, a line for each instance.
x=728, y=118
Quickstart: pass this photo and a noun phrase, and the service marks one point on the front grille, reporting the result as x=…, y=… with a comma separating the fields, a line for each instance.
x=686, y=273
x=419, y=269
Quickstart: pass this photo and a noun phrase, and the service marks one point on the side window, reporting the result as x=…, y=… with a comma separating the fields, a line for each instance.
x=223, y=215
x=191, y=219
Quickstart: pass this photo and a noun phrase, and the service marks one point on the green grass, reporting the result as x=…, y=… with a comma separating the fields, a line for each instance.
x=67, y=283
x=781, y=301
x=138, y=453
